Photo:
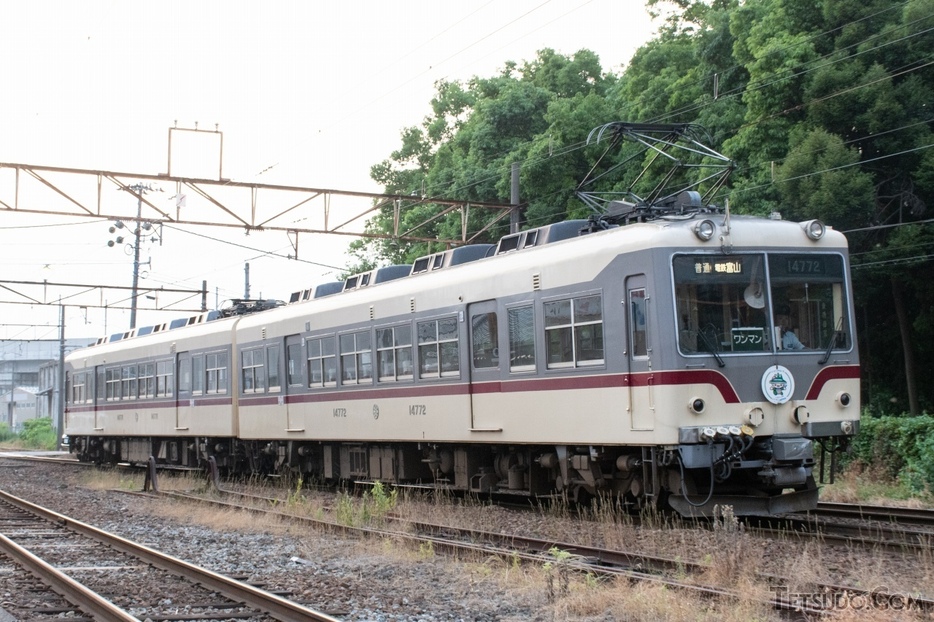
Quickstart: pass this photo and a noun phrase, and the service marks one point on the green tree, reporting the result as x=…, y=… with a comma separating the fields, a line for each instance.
x=465, y=150
x=824, y=108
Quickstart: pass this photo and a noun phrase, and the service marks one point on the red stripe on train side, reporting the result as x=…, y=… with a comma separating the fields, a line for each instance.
x=130, y=404
x=659, y=378
x=382, y=393
x=836, y=372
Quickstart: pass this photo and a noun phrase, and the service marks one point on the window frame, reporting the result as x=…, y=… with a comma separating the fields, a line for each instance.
x=253, y=370
x=216, y=371
x=165, y=378
x=569, y=332
x=438, y=345
x=356, y=355
x=321, y=357
x=393, y=350
x=147, y=380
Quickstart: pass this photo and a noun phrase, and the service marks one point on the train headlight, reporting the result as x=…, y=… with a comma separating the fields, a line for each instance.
x=800, y=415
x=697, y=405
x=843, y=399
x=814, y=229
x=755, y=416
x=705, y=229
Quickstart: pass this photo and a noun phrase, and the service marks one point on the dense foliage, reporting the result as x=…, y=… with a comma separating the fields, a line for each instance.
x=902, y=446
x=825, y=108
x=39, y=434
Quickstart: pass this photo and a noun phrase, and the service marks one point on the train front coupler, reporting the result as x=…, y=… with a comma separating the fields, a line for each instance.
x=722, y=465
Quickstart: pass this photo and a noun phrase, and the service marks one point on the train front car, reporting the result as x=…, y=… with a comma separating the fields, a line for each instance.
x=754, y=377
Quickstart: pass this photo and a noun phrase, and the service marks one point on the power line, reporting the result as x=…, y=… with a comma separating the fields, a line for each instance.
x=898, y=224
x=890, y=262
x=250, y=248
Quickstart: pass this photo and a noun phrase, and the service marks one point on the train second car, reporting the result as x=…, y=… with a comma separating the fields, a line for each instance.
x=689, y=361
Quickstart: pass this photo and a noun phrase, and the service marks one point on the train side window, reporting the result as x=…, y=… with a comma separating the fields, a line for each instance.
x=113, y=384
x=521, y=322
x=356, y=358
x=394, y=353
x=216, y=370
x=253, y=371
x=147, y=380
x=322, y=362
x=79, y=388
x=129, y=382
x=101, y=386
x=638, y=331
x=197, y=374
x=164, y=378
x=438, y=352
x=484, y=340
x=574, y=332
x=294, y=353
x=272, y=368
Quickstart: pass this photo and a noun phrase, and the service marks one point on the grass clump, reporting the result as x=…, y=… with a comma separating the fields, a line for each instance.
x=372, y=507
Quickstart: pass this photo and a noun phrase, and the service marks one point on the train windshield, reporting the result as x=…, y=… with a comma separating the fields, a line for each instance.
x=760, y=303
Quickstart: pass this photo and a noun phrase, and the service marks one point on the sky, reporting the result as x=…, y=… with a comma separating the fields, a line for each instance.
x=306, y=94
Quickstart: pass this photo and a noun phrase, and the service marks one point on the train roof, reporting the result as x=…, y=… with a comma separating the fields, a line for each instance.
x=559, y=263
x=518, y=255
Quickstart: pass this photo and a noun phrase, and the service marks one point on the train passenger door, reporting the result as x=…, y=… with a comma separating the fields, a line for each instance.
x=183, y=401
x=484, y=367
x=641, y=378
x=296, y=380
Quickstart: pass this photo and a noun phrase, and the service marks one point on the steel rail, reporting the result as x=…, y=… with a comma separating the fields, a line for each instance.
x=87, y=601
x=276, y=606
x=889, y=514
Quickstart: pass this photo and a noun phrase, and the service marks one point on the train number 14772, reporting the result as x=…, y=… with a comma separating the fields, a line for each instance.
x=418, y=410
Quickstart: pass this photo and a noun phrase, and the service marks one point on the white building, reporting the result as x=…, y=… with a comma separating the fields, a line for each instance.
x=19, y=405
x=32, y=366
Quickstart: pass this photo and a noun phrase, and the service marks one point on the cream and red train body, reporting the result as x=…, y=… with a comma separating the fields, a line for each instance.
x=644, y=361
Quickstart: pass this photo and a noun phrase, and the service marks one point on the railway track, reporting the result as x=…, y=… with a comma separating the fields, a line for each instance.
x=674, y=573
x=870, y=527
x=98, y=574
x=920, y=517
x=572, y=557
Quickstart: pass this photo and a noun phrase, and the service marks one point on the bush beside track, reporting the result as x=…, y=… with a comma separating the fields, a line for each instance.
x=36, y=434
x=901, y=447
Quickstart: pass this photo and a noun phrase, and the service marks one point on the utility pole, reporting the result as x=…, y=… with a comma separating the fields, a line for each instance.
x=60, y=380
x=139, y=214
x=139, y=190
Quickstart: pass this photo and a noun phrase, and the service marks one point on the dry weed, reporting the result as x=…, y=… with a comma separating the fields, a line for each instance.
x=623, y=601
